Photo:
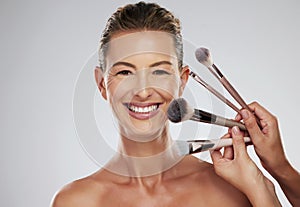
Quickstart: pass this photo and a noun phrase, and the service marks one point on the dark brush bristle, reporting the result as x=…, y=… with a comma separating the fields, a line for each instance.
x=177, y=110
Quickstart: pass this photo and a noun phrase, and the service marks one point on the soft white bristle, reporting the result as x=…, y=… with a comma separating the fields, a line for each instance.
x=203, y=56
x=182, y=147
x=189, y=112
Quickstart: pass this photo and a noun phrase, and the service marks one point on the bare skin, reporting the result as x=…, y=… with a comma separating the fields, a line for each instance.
x=267, y=143
x=236, y=167
x=139, y=88
x=189, y=183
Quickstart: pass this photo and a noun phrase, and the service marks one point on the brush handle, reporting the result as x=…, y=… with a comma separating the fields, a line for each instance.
x=229, y=87
x=234, y=93
x=214, y=91
x=218, y=74
x=237, y=96
x=196, y=146
x=206, y=117
x=221, y=121
x=219, y=143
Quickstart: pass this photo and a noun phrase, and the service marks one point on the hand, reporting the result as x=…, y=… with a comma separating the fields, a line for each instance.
x=266, y=141
x=237, y=168
x=268, y=146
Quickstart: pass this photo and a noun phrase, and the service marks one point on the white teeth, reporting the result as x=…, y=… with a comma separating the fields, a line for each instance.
x=146, y=109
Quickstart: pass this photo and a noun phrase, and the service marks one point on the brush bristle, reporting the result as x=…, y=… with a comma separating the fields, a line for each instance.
x=203, y=56
x=179, y=110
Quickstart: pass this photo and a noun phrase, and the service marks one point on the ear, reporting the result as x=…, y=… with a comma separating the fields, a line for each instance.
x=100, y=81
x=184, y=76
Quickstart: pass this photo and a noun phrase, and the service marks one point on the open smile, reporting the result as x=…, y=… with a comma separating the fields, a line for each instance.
x=142, y=110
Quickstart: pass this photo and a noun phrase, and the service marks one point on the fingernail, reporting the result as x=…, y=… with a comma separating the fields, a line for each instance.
x=235, y=130
x=245, y=114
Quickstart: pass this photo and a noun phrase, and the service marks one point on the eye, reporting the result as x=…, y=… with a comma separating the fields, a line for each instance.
x=160, y=72
x=124, y=72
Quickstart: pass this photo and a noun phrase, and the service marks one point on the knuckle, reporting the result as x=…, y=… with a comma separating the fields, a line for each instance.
x=273, y=120
x=254, y=103
x=239, y=141
x=251, y=122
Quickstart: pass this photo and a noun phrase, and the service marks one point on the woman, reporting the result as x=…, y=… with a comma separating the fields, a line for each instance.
x=140, y=73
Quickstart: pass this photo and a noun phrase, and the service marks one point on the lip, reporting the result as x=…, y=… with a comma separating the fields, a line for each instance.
x=142, y=115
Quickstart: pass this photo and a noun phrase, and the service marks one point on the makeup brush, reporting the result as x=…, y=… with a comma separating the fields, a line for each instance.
x=195, y=146
x=179, y=110
x=213, y=91
x=203, y=55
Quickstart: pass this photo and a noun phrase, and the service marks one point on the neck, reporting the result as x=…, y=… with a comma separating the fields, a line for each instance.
x=144, y=159
x=133, y=148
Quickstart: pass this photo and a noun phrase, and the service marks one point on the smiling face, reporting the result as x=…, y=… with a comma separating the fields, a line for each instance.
x=141, y=79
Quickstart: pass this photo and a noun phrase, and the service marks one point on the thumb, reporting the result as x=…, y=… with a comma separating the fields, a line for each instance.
x=251, y=125
x=239, y=145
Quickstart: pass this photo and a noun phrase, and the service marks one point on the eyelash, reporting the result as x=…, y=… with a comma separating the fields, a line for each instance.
x=155, y=72
x=160, y=72
x=124, y=72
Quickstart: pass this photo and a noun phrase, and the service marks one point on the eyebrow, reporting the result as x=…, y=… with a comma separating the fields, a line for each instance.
x=163, y=62
x=123, y=63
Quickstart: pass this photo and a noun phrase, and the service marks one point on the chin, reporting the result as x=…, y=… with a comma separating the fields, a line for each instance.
x=143, y=132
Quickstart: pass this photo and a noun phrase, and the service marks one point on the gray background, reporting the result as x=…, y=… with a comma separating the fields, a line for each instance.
x=44, y=45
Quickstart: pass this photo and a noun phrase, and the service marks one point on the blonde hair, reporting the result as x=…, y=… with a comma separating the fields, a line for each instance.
x=140, y=17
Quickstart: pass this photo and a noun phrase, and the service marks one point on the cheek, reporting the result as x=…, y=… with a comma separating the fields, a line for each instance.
x=170, y=86
x=113, y=89
x=118, y=87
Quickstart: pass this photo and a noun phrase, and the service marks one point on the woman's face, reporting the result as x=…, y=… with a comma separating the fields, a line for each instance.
x=141, y=79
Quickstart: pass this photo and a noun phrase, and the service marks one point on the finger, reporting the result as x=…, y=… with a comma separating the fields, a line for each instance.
x=227, y=135
x=244, y=133
x=216, y=155
x=230, y=131
x=251, y=125
x=238, y=117
x=260, y=111
x=267, y=119
x=228, y=153
x=239, y=146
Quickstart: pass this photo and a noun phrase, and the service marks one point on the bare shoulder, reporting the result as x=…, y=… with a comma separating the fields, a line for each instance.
x=87, y=191
x=210, y=186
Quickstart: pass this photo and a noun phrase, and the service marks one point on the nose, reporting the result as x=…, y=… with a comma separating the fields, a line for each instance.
x=144, y=93
x=143, y=89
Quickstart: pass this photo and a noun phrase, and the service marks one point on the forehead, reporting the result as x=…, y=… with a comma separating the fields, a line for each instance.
x=136, y=43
